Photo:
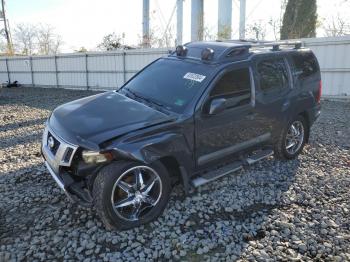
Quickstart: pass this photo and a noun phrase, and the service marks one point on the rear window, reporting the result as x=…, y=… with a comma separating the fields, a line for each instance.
x=305, y=64
x=273, y=74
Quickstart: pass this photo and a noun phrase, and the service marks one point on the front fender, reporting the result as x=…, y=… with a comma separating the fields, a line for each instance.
x=154, y=147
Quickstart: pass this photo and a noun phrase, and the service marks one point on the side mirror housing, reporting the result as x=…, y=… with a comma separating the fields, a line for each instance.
x=217, y=105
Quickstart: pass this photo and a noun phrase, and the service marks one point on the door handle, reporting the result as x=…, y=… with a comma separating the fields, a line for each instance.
x=285, y=105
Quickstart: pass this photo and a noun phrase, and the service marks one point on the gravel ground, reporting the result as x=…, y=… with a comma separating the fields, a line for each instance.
x=296, y=210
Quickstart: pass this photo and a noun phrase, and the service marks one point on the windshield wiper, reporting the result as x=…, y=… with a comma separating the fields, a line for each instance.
x=133, y=93
x=149, y=100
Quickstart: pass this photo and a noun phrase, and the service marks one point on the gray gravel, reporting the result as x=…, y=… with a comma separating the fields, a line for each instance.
x=296, y=210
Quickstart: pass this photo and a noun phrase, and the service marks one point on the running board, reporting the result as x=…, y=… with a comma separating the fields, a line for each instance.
x=213, y=175
x=259, y=156
x=230, y=168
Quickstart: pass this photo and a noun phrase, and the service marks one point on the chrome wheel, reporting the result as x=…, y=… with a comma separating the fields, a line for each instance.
x=295, y=137
x=136, y=192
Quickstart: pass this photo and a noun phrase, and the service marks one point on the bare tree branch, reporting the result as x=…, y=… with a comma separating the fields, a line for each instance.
x=336, y=26
x=48, y=41
x=25, y=39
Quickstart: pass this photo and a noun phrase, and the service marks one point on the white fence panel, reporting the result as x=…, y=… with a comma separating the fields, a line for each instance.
x=19, y=64
x=22, y=77
x=136, y=60
x=72, y=79
x=105, y=80
x=333, y=54
x=71, y=63
x=3, y=67
x=109, y=70
x=3, y=77
x=43, y=64
x=45, y=79
x=3, y=71
x=110, y=62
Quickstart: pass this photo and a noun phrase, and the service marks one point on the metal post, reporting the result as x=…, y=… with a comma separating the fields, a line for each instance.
x=86, y=72
x=145, y=24
x=124, y=67
x=179, y=21
x=6, y=29
x=224, y=19
x=197, y=22
x=242, y=7
x=56, y=71
x=31, y=69
x=7, y=70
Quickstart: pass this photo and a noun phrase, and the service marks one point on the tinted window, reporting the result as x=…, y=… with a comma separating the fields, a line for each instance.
x=305, y=64
x=273, y=74
x=235, y=86
x=233, y=82
x=171, y=83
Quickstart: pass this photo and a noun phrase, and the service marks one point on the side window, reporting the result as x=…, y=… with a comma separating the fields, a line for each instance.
x=234, y=86
x=273, y=74
x=305, y=64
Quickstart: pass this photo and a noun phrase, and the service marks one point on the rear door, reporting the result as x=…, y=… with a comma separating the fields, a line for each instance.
x=306, y=76
x=273, y=91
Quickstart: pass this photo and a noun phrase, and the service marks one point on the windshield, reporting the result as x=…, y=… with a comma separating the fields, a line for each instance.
x=170, y=83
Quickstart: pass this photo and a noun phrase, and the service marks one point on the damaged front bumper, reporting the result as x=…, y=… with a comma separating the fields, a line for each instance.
x=58, y=155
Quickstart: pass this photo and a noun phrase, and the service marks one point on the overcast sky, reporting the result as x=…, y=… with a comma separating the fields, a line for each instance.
x=85, y=22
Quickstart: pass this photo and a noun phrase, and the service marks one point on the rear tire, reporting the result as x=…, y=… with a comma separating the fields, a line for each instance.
x=292, y=139
x=124, y=200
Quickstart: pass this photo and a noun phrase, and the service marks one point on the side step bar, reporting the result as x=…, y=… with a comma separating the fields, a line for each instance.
x=259, y=156
x=230, y=168
x=220, y=172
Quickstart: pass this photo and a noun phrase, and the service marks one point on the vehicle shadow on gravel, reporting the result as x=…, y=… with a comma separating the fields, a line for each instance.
x=235, y=210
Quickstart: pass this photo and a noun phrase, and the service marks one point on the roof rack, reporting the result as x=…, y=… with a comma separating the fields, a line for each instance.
x=274, y=44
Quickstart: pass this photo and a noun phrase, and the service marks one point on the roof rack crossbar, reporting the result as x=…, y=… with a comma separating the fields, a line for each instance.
x=275, y=45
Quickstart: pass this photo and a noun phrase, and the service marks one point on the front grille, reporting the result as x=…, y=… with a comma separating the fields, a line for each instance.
x=56, y=144
x=68, y=155
x=57, y=152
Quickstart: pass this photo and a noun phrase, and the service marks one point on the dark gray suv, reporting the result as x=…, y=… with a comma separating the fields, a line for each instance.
x=204, y=111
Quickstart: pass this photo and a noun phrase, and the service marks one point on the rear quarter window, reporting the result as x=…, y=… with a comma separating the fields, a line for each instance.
x=305, y=65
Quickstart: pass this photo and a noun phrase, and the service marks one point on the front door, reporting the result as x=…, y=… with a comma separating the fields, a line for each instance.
x=236, y=127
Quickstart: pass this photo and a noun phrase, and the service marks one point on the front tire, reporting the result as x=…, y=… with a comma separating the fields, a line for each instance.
x=292, y=139
x=128, y=194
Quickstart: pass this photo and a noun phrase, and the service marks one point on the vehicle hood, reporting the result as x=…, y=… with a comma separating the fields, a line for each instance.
x=95, y=119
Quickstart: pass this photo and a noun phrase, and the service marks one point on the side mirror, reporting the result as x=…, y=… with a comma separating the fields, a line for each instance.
x=217, y=105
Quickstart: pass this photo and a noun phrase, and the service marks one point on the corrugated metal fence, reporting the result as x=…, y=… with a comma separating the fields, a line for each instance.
x=109, y=70
x=98, y=70
x=333, y=54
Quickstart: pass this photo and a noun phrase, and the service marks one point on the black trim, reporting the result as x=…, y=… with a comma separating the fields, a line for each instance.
x=233, y=149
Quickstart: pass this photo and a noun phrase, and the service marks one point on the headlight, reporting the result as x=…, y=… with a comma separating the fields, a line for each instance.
x=92, y=157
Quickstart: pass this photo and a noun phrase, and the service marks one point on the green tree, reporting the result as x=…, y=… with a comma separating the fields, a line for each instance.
x=81, y=50
x=112, y=42
x=300, y=19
